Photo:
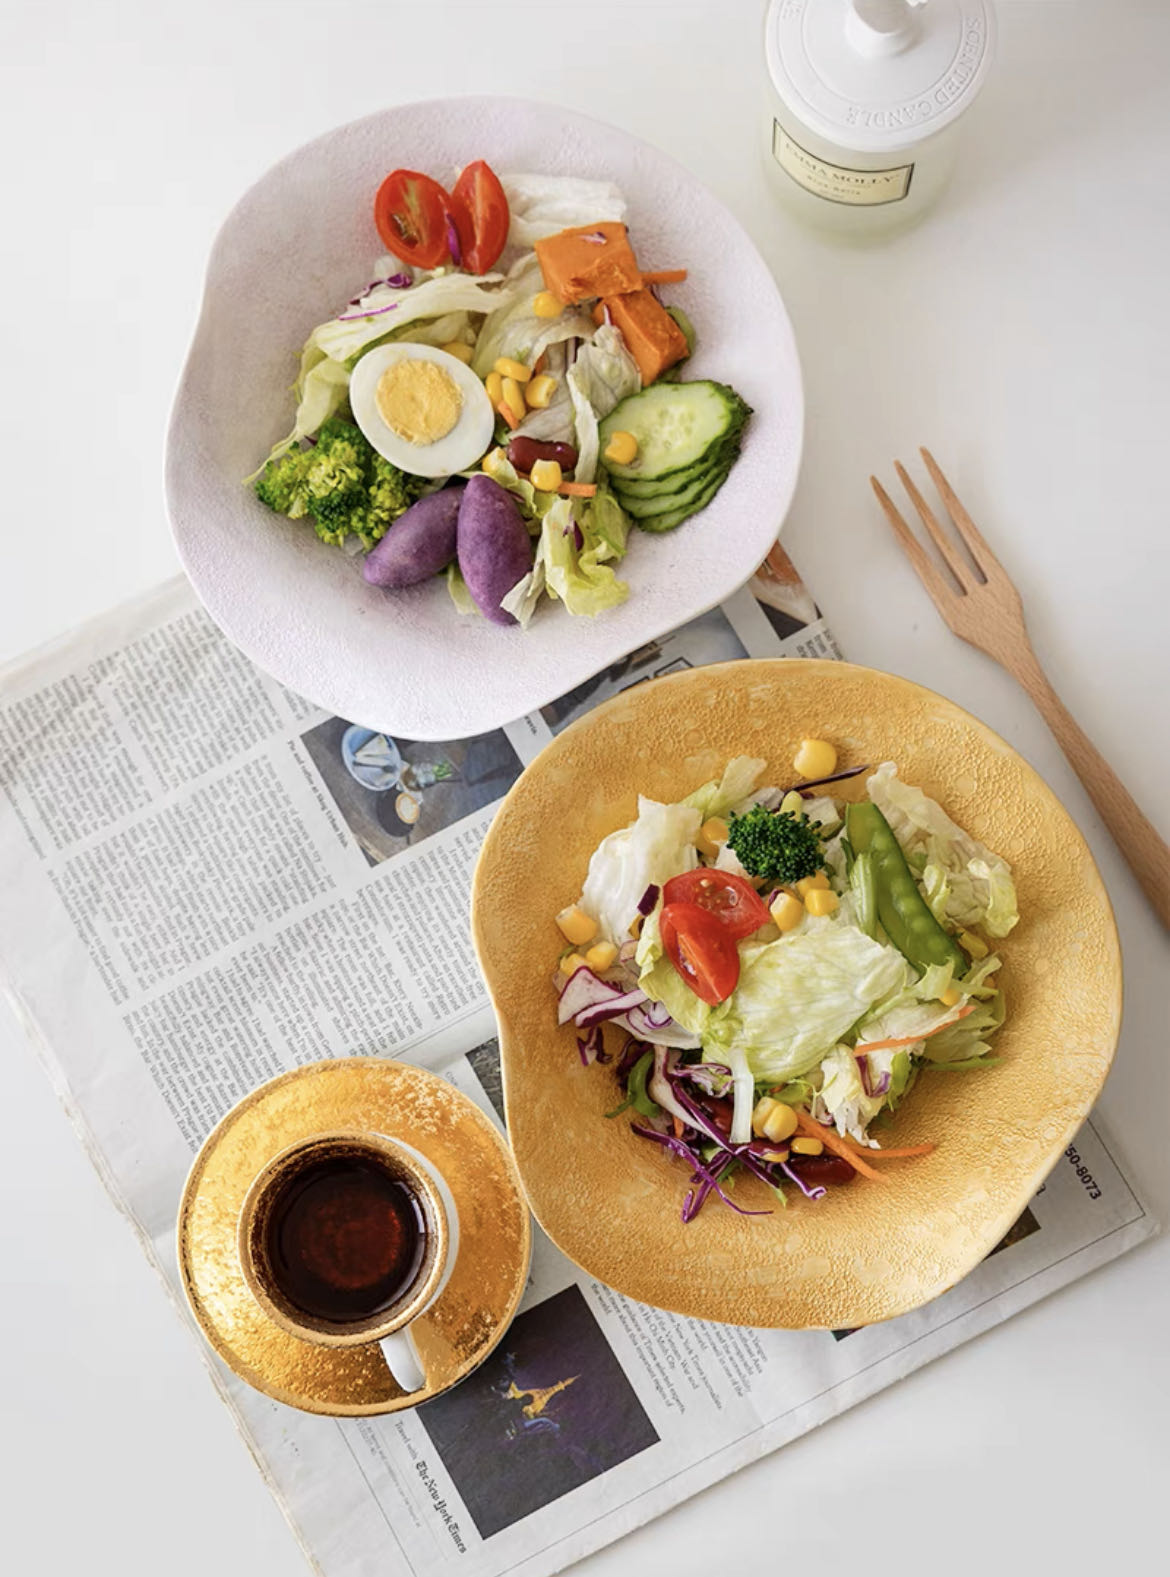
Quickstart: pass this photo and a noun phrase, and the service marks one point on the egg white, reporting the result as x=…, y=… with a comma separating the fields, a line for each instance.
x=462, y=447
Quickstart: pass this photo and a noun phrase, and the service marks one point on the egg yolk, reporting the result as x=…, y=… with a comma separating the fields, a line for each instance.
x=418, y=400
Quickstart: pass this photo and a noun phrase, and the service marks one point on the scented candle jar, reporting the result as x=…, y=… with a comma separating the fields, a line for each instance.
x=863, y=104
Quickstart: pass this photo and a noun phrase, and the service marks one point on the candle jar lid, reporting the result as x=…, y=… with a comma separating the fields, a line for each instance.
x=878, y=75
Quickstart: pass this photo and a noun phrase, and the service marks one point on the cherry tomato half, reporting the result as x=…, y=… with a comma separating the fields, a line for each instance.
x=701, y=948
x=480, y=211
x=410, y=212
x=733, y=901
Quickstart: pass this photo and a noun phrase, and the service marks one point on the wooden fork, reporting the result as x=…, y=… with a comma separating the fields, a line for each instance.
x=983, y=608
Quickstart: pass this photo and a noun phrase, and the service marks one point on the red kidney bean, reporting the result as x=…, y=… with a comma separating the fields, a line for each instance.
x=523, y=453
x=814, y=1169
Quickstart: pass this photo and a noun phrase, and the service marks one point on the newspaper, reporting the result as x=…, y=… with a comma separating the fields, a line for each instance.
x=208, y=880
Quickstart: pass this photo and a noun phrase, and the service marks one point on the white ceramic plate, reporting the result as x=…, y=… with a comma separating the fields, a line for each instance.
x=294, y=249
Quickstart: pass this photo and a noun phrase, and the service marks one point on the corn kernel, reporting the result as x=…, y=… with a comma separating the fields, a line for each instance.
x=990, y=983
x=773, y=1155
x=636, y=925
x=788, y=911
x=810, y=1146
x=494, y=385
x=761, y=1111
x=713, y=834
x=973, y=945
x=546, y=476
x=816, y=758
x=539, y=392
x=459, y=350
x=622, y=448
x=512, y=396
x=792, y=804
x=508, y=367
x=546, y=305
x=809, y=884
x=780, y=1123
x=571, y=963
x=576, y=926
x=951, y=997
x=492, y=459
x=820, y=901
x=601, y=956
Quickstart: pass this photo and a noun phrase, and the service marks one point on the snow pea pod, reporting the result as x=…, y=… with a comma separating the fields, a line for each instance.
x=636, y=1092
x=863, y=886
x=901, y=908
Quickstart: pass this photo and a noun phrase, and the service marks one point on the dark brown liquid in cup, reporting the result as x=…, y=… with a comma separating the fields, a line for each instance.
x=345, y=1239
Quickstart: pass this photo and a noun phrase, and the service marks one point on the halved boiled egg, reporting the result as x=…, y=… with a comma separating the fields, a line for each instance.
x=421, y=408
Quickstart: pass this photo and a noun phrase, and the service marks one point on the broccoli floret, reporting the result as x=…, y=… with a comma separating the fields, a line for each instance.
x=776, y=845
x=283, y=484
x=345, y=486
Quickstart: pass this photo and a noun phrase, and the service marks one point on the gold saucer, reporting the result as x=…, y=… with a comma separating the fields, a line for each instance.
x=350, y=1093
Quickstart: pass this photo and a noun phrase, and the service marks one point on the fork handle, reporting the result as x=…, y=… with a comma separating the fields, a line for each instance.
x=1134, y=834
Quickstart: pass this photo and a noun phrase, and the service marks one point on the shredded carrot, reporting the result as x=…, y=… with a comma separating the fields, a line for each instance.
x=678, y=1126
x=578, y=489
x=506, y=412
x=897, y=1154
x=832, y=1140
x=911, y=1040
x=540, y=363
x=665, y=276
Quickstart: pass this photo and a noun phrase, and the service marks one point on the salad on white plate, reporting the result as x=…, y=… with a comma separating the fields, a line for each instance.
x=783, y=966
x=502, y=402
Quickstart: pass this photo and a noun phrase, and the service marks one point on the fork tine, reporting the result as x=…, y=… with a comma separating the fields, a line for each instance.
x=960, y=570
x=941, y=594
x=964, y=525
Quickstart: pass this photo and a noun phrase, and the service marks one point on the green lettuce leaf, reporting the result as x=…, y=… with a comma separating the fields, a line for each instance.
x=799, y=995
x=602, y=375
x=578, y=575
x=716, y=798
x=658, y=844
x=661, y=980
x=514, y=329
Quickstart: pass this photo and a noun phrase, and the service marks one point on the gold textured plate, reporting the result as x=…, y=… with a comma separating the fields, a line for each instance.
x=368, y=1094
x=871, y=1250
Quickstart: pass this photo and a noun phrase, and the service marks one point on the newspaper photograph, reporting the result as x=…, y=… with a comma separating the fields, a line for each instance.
x=235, y=883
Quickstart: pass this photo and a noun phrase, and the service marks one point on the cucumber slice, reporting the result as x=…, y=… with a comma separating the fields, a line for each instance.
x=675, y=517
x=643, y=510
x=678, y=426
x=660, y=486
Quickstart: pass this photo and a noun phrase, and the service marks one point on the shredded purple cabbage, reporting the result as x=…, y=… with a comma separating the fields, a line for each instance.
x=453, y=246
x=375, y=312
x=833, y=777
x=871, y=1089
x=594, y=237
x=816, y=1192
x=648, y=899
x=700, y=1171
x=591, y=1046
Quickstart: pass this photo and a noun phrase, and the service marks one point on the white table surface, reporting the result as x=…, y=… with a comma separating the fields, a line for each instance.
x=1023, y=333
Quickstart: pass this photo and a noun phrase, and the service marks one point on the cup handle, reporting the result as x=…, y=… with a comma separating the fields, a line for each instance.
x=401, y=1354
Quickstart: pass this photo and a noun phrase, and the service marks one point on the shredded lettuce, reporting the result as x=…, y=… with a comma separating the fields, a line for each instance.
x=369, y=323
x=799, y=995
x=720, y=796
x=603, y=374
x=460, y=595
x=659, y=844
x=515, y=330
x=964, y=883
x=540, y=205
x=843, y=1093
x=579, y=576
x=661, y=980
